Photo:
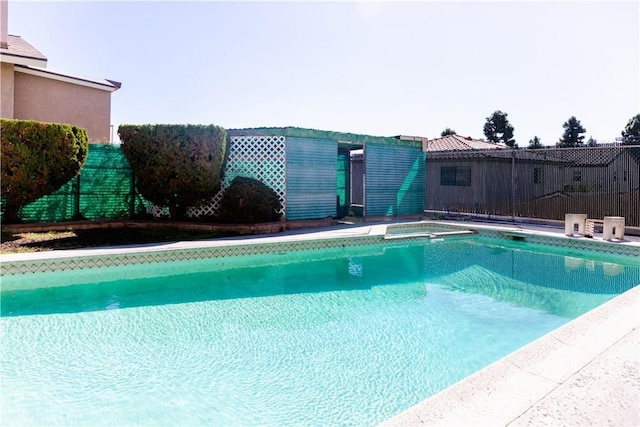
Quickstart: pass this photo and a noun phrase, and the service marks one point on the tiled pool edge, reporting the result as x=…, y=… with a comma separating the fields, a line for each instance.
x=181, y=251
x=367, y=234
x=556, y=238
x=511, y=390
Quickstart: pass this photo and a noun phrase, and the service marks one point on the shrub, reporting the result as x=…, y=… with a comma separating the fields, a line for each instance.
x=177, y=166
x=37, y=159
x=248, y=200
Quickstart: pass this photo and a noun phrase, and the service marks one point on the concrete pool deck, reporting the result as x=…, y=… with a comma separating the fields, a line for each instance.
x=584, y=373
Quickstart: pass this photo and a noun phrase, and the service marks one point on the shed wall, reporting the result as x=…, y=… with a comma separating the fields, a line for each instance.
x=395, y=180
x=311, y=178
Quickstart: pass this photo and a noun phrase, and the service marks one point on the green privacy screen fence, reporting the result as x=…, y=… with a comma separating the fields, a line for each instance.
x=105, y=189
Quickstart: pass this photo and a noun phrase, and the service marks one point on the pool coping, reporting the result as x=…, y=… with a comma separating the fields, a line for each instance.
x=374, y=231
x=557, y=379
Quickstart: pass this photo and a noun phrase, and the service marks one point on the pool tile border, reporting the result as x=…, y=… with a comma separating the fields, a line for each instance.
x=573, y=243
x=260, y=246
x=170, y=255
x=626, y=248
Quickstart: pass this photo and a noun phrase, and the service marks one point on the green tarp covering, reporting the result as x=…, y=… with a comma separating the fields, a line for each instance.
x=104, y=190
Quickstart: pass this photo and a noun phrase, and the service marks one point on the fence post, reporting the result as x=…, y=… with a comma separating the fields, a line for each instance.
x=513, y=184
x=76, y=198
x=132, y=196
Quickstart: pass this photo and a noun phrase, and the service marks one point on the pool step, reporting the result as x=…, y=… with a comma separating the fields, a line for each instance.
x=430, y=235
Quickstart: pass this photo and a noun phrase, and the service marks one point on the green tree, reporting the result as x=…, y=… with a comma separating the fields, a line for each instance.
x=572, y=136
x=447, y=131
x=535, y=143
x=498, y=129
x=631, y=132
x=592, y=142
x=37, y=159
x=178, y=166
x=248, y=200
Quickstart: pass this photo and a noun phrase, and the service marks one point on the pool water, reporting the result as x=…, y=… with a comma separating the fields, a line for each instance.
x=314, y=338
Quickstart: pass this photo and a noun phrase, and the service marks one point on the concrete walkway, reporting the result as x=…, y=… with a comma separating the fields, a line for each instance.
x=604, y=392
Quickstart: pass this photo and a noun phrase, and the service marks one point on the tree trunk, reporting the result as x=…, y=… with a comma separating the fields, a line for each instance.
x=177, y=212
x=11, y=213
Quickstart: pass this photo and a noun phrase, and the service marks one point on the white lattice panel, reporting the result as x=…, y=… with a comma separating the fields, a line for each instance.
x=259, y=157
x=157, y=211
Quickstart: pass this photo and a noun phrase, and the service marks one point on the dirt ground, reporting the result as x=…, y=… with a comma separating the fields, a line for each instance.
x=36, y=242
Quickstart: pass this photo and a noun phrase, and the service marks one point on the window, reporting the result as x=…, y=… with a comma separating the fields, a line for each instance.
x=537, y=175
x=455, y=175
x=577, y=175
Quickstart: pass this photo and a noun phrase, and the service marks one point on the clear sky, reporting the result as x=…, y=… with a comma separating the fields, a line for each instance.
x=377, y=68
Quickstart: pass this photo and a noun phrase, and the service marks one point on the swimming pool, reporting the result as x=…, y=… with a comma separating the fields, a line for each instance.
x=333, y=336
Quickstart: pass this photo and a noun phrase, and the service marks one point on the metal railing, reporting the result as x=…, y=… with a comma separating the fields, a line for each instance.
x=542, y=183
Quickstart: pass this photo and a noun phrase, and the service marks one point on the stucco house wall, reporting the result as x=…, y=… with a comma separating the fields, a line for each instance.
x=31, y=92
x=6, y=90
x=38, y=97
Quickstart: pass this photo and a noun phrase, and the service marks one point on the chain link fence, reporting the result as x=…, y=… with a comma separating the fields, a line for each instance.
x=542, y=183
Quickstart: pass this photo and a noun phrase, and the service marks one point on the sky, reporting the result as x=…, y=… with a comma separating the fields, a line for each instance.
x=368, y=67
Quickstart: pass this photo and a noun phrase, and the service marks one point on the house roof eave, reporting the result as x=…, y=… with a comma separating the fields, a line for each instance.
x=102, y=84
x=28, y=61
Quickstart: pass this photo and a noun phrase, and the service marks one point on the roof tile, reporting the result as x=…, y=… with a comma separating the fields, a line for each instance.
x=17, y=46
x=459, y=143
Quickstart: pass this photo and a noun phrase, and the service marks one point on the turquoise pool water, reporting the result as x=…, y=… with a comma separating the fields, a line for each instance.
x=333, y=337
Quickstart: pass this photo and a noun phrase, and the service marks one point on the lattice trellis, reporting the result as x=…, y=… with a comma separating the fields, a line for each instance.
x=262, y=158
x=259, y=157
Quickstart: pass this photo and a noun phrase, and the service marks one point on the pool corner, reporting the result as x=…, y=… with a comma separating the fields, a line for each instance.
x=583, y=373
